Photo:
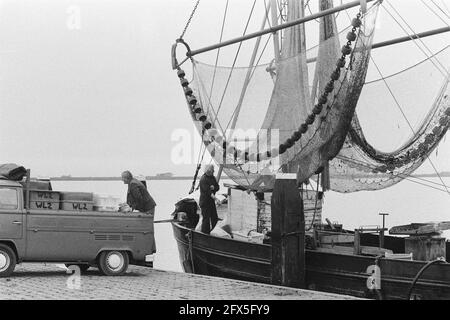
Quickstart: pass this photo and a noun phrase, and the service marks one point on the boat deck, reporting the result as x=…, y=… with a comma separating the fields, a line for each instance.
x=51, y=282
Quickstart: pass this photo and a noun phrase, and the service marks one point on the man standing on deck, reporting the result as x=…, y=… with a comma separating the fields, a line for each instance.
x=208, y=189
x=138, y=197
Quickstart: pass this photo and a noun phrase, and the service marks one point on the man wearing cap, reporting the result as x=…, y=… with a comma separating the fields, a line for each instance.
x=138, y=197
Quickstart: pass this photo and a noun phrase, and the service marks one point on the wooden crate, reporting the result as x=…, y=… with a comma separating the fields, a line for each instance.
x=77, y=196
x=77, y=205
x=425, y=248
x=44, y=200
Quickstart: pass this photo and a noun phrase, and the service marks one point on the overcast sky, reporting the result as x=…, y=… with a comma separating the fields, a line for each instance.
x=86, y=87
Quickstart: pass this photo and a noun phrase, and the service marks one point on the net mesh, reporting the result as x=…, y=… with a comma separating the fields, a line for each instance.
x=362, y=166
x=256, y=108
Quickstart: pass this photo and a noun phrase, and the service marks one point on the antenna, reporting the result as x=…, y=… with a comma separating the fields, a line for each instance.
x=384, y=214
x=384, y=217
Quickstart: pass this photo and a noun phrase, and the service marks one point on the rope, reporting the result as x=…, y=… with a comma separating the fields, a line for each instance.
x=189, y=20
x=191, y=251
x=234, y=62
x=445, y=22
x=403, y=176
x=349, y=67
x=256, y=64
x=395, y=99
x=199, y=162
x=218, y=50
x=407, y=121
x=441, y=67
x=443, y=4
x=251, y=76
x=408, y=297
x=315, y=205
x=267, y=14
x=408, y=68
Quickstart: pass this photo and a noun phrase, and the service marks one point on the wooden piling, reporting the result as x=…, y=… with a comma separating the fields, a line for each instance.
x=288, y=234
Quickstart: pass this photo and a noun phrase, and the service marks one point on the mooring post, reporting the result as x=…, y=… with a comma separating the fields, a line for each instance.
x=288, y=233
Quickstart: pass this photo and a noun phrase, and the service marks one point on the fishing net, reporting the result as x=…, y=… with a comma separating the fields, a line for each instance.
x=362, y=166
x=254, y=109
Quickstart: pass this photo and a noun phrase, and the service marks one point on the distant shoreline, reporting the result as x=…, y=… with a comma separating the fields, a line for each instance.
x=426, y=175
x=114, y=178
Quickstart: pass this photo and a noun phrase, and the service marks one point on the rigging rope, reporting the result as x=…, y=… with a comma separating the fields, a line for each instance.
x=394, y=97
x=267, y=14
x=406, y=119
x=234, y=62
x=443, y=3
x=403, y=176
x=415, y=39
x=365, y=165
x=435, y=11
x=315, y=204
x=199, y=161
x=408, y=68
x=218, y=50
x=251, y=76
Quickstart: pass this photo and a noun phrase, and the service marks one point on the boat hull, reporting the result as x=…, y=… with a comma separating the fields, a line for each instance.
x=330, y=272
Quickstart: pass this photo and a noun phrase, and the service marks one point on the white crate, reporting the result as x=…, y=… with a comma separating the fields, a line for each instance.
x=106, y=202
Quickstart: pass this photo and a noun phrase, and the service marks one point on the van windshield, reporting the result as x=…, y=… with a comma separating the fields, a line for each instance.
x=8, y=199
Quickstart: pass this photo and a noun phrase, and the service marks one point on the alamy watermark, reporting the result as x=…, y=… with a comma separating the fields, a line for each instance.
x=73, y=21
x=374, y=280
x=74, y=280
x=187, y=144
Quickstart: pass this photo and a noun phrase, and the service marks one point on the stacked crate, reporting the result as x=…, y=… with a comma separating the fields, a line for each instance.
x=44, y=200
x=77, y=201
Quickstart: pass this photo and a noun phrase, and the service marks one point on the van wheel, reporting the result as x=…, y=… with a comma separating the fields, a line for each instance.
x=83, y=267
x=7, y=260
x=113, y=263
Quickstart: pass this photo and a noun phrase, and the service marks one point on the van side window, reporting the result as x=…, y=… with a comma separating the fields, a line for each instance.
x=8, y=199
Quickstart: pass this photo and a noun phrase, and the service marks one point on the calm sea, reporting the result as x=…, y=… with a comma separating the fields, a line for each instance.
x=406, y=202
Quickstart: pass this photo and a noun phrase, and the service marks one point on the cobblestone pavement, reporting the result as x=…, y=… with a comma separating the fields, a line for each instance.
x=52, y=282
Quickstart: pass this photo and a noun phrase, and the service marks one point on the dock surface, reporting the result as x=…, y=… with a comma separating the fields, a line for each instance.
x=52, y=282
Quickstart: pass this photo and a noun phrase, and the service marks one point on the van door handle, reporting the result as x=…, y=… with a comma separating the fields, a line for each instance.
x=17, y=222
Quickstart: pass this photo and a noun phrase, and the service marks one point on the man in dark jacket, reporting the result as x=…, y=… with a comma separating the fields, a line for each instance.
x=208, y=189
x=138, y=197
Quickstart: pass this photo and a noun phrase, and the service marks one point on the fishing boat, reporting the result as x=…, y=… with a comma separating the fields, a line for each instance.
x=286, y=128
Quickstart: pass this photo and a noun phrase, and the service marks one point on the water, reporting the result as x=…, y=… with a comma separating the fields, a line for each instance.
x=406, y=202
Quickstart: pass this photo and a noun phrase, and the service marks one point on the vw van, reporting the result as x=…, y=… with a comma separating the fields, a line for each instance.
x=37, y=226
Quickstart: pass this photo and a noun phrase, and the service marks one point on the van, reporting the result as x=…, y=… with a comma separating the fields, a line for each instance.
x=36, y=227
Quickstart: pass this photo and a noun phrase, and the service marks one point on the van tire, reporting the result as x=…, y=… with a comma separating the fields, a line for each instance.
x=113, y=263
x=8, y=260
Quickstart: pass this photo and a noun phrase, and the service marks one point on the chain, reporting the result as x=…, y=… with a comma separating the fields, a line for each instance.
x=189, y=20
